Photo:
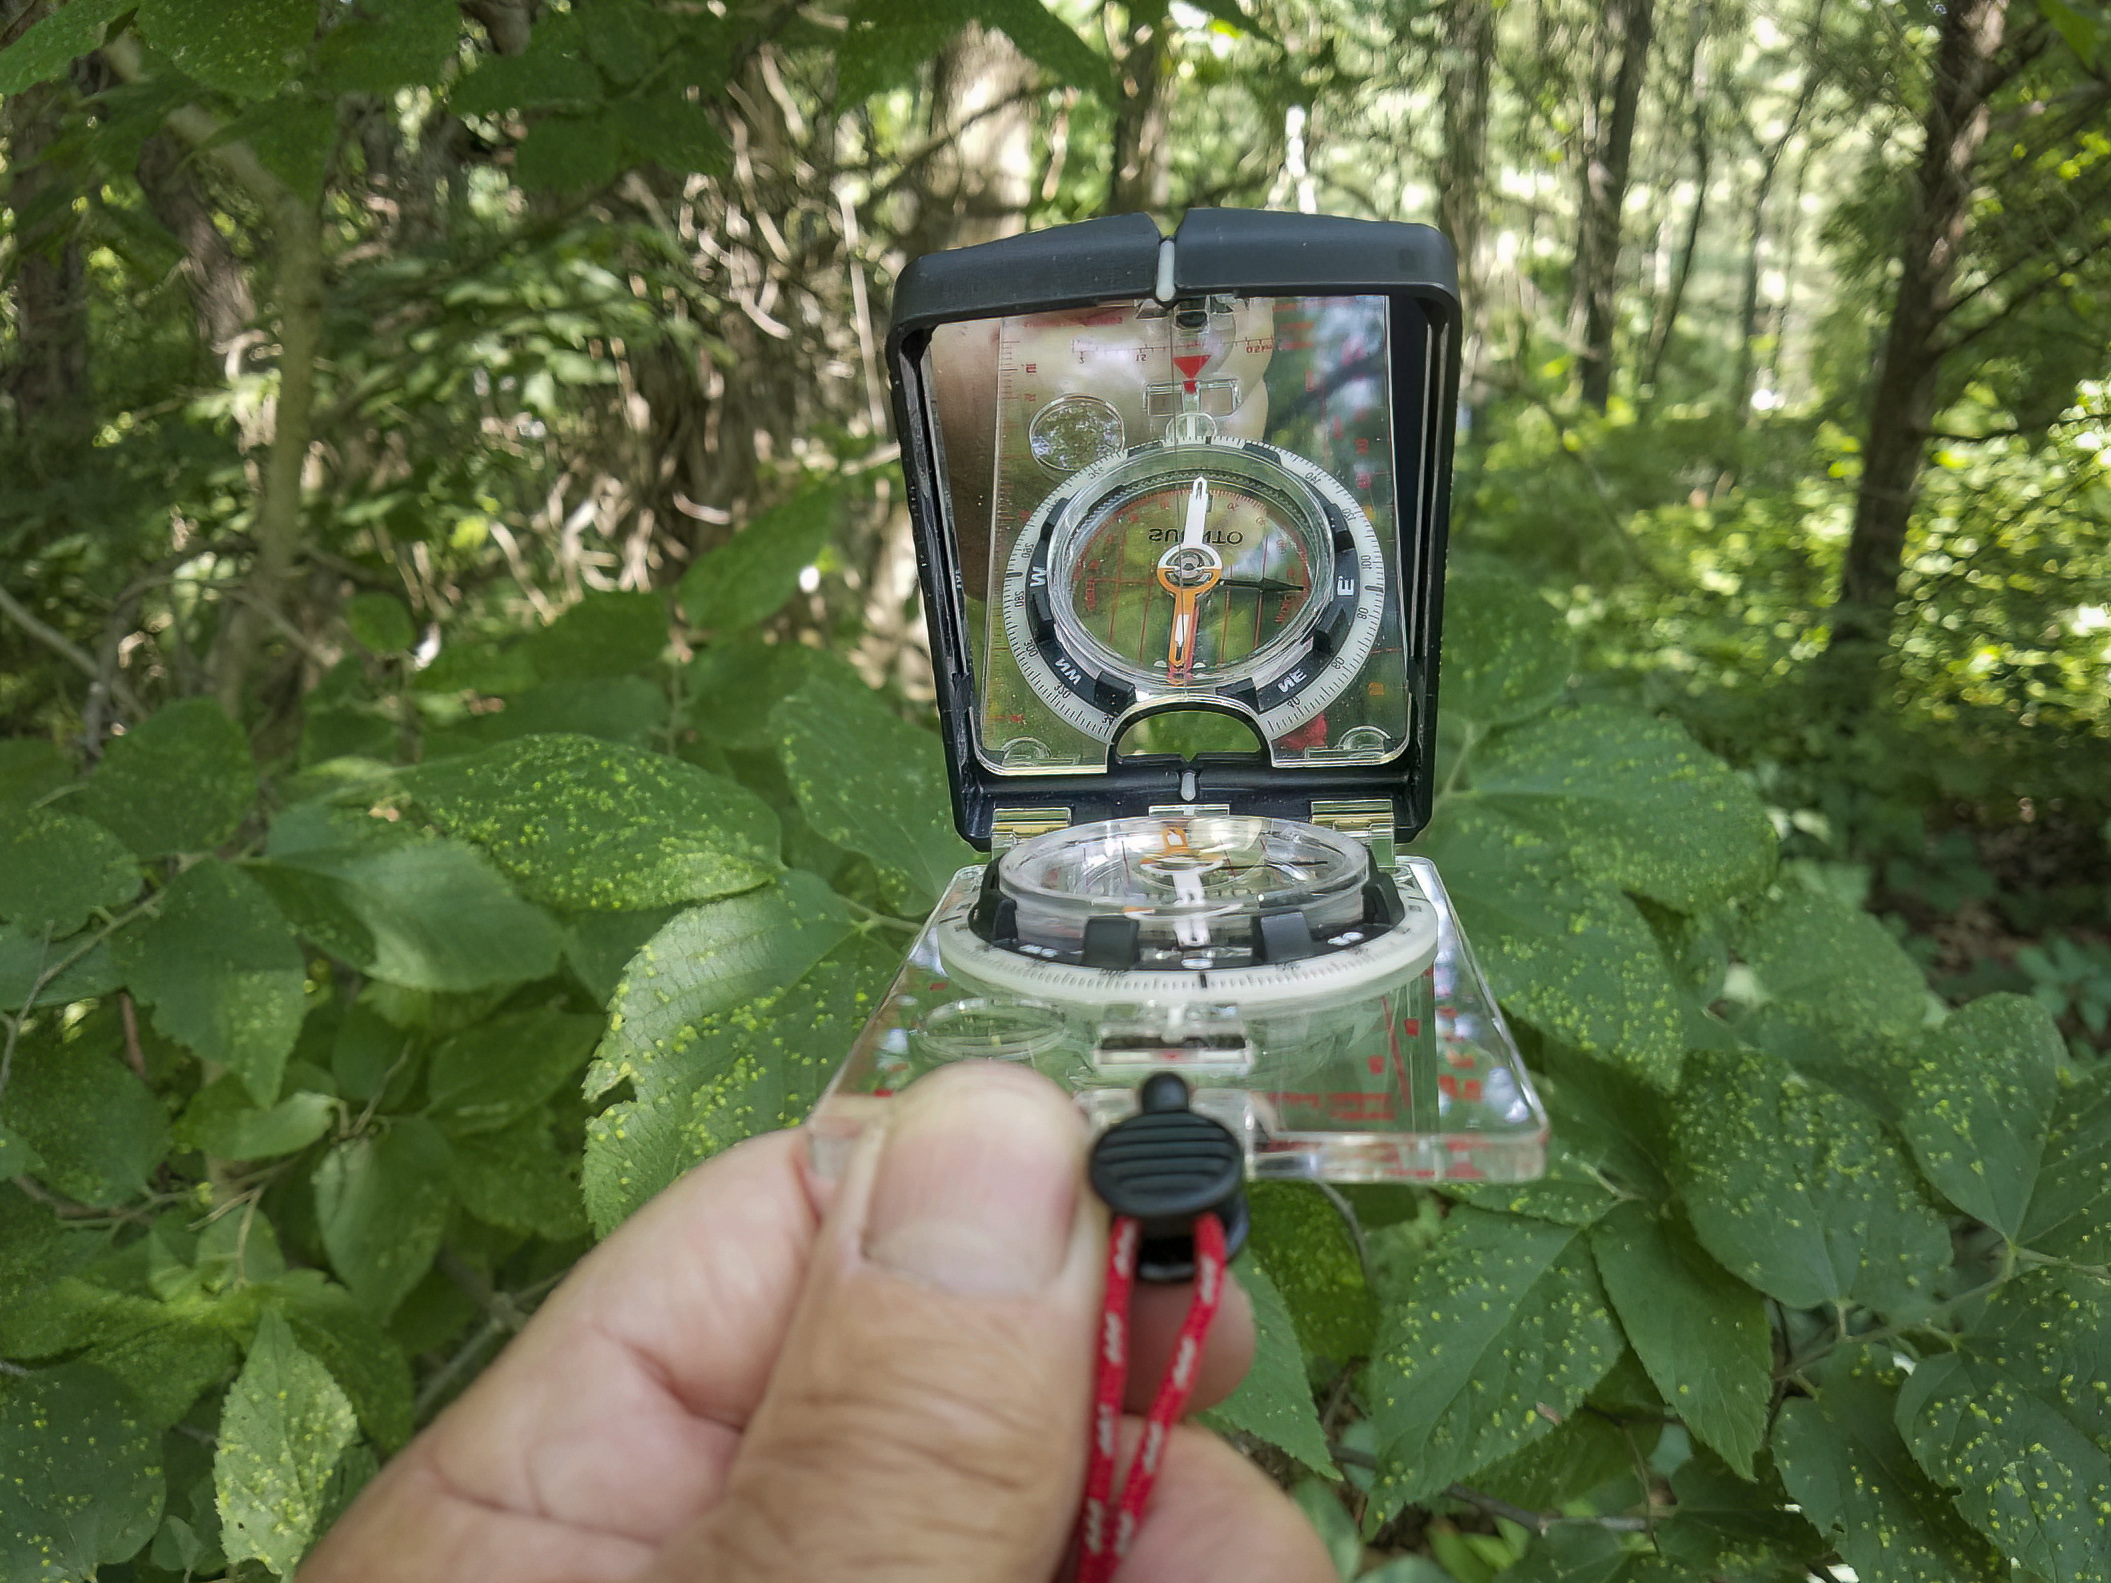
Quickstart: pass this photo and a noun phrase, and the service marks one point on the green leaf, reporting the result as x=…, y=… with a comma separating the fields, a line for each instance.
x=56, y=868
x=1634, y=800
x=667, y=130
x=1049, y=43
x=2082, y=31
x=752, y=574
x=99, y=1128
x=583, y=824
x=243, y=47
x=48, y=48
x=1572, y=1193
x=1336, y=1529
x=381, y=1205
x=1727, y=1525
x=493, y=1072
x=874, y=784
x=889, y=41
x=331, y=1326
x=1700, y=1333
x=605, y=634
x=599, y=945
x=625, y=709
x=1582, y=1453
x=1489, y=1340
x=179, y=781
x=517, y=1178
x=30, y=767
x=726, y=1074
x=549, y=74
x=626, y=38
x=83, y=1486
x=423, y=914
x=732, y=686
x=1566, y=953
x=1580, y=1553
x=219, y=965
x=1847, y=1468
x=1984, y=1085
x=1507, y=652
x=1273, y=1402
x=165, y=1353
x=2018, y=1420
x=222, y=1120
x=294, y=136
x=1798, y=1191
x=1297, y=1231
x=27, y=959
x=285, y=1424
x=17, y=1158
x=388, y=45
x=570, y=153
x=2070, y=1204
x=379, y=621
x=1824, y=976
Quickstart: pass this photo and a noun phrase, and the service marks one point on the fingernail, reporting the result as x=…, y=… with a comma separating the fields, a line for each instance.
x=977, y=1183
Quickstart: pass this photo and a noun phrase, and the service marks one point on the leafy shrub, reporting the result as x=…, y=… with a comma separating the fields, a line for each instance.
x=314, y=1082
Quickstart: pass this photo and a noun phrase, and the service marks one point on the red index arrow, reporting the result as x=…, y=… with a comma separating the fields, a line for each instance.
x=1190, y=366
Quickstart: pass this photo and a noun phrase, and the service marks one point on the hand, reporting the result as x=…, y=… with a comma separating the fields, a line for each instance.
x=760, y=1379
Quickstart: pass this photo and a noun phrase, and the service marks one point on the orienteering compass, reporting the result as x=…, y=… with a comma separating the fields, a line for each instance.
x=1225, y=569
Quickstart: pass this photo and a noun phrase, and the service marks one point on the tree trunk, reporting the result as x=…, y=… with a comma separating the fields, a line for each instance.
x=47, y=377
x=1609, y=138
x=1142, y=163
x=1903, y=404
x=1664, y=323
x=219, y=290
x=976, y=187
x=1462, y=174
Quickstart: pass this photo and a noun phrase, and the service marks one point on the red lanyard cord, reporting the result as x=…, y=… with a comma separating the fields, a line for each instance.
x=1102, y=1544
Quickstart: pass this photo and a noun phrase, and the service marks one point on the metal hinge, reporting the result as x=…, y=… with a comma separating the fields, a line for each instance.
x=1013, y=825
x=1368, y=819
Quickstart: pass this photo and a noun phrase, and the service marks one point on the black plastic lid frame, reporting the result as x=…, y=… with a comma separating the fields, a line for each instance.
x=1215, y=250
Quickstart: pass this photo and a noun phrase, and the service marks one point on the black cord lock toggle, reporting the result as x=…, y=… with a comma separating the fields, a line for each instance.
x=1164, y=1166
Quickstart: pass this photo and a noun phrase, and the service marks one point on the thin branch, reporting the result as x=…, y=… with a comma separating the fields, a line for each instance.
x=65, y=648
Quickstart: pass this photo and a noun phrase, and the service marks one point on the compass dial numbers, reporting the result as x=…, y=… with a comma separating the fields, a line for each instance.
x=1229, y=569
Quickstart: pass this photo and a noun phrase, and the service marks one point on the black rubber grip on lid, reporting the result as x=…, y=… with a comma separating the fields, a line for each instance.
x=1164, y=1166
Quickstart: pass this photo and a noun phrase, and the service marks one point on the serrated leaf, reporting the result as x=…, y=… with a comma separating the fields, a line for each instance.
x=243, y=47
x=625, y=709
x=386, y=46
x=83, y=1486
x=381, y=1205
x=570, y=153
x=191, y=745
x=1798, y=1191
x=1487, y=1342
x=490, y=1074
x=98, y=1127
x=1566, y=953
x=285, y=1424
x=1582, y=1453
x=223, y=1120
x=1824, y=977
x=1984, y=1084
x=219, y=965
x=1635, y=800
x=2070, y=1204
x=726, y=1074
x=1049, y=42
x=2018, y=1421
x=752, y=574
x=330, y=1326
x=1581, y=1553
x=49, y=47
x=1572, y=1193
x=1701, y=1334
x=1299, y=1233
x=605, y=634
x=873, y=784
x=56, y=868
x=164, y=1353
x=423, y=914
x=732, y=686
x=516, y=1177
x=1507, y=652
x=1273, y=1402
x=583, y=824
x=1845, y=1465
x=599, y=945
x=1727, y=1525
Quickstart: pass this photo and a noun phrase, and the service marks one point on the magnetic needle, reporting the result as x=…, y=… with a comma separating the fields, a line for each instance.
x=1224, y=569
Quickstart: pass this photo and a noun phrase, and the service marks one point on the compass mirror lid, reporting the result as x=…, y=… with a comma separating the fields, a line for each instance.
x=1180, y=508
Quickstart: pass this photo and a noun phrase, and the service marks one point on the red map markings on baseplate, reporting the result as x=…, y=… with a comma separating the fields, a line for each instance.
x=1190, y=366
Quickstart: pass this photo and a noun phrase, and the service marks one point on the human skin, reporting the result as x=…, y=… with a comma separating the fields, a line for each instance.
x=763, y=1376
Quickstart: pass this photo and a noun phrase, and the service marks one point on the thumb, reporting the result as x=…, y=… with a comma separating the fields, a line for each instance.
x=926, y=1418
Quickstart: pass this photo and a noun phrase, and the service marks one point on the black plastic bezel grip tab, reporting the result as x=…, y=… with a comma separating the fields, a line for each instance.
x=1165, y=1165
x=1214, y=250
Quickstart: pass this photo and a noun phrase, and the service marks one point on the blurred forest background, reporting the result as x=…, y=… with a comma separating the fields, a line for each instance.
x=411, y=377
x=1790, y=328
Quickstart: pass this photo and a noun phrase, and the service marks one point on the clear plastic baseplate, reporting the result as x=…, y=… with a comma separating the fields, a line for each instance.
x=1410, y=1076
